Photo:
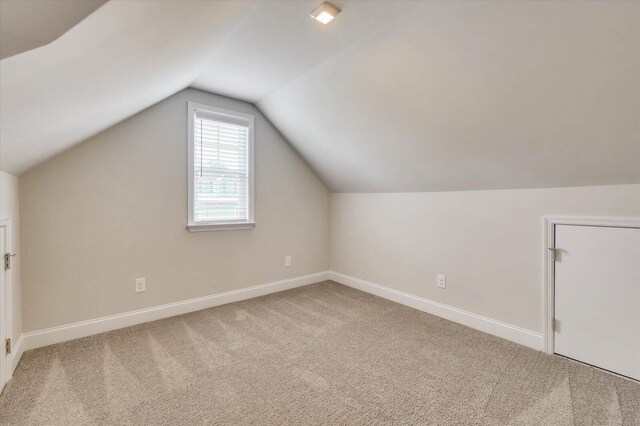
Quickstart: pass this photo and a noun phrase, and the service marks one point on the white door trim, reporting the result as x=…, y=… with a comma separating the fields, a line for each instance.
x=6, y=296
x=550, y=222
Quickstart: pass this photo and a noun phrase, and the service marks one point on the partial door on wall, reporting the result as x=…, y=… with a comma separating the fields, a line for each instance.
x=597, y=296
x=3, y=313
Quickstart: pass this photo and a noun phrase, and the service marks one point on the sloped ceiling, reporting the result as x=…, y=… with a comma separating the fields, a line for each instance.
x=27, y=24
x=276, y=42
x=390, y=96
x=475, y=95
x=121, y=59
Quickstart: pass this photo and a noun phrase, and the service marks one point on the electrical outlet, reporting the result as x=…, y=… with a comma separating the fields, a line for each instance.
x=141, y=285
x=287, y=261
x=441, y=281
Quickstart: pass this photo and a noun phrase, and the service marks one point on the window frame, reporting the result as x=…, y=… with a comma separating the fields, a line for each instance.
x=222, y=114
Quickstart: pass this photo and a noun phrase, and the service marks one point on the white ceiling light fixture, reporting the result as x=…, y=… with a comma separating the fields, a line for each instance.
x=325, y=12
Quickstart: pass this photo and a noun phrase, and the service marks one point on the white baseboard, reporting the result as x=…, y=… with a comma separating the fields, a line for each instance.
x=63, y=333
x=497, y=328
x=49, y=336
x=16, y=354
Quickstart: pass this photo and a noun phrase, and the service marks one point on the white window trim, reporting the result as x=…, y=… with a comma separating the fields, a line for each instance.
x=192, y=226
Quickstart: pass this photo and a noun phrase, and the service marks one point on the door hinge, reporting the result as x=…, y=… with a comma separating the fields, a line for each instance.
x=556, y=325
x=7, y=260
x=555, y=252
x=7, y=346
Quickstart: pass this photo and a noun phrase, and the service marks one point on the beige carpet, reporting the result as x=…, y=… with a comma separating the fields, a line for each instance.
x=321, y=354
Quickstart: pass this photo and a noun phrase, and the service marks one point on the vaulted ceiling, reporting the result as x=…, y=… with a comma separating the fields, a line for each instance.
x=27, y=24
x=390, y=96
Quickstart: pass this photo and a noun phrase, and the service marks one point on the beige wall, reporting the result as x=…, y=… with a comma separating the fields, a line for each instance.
x=488, y=243
x=9, y=208
x=114, y=208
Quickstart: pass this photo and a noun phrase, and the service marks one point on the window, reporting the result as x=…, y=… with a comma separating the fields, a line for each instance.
x=220, y=169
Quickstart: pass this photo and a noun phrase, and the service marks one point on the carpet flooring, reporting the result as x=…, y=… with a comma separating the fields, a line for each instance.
x=320, y=354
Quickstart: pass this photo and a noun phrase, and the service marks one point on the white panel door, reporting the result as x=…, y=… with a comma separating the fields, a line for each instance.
x=597, y=296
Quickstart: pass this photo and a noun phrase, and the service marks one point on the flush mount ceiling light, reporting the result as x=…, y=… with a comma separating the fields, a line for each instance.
x=325, y=12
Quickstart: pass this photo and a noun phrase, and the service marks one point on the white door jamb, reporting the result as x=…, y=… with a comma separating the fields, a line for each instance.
x=6, y=298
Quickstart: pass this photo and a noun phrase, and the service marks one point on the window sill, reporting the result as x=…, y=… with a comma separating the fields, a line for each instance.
x=221, y=226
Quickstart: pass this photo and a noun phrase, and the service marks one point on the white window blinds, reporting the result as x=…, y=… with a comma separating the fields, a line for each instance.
x=221, y=168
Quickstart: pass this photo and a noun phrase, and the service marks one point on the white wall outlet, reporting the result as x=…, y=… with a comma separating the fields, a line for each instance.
x=441, y=281
x=141, y=285
x=287, y=261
